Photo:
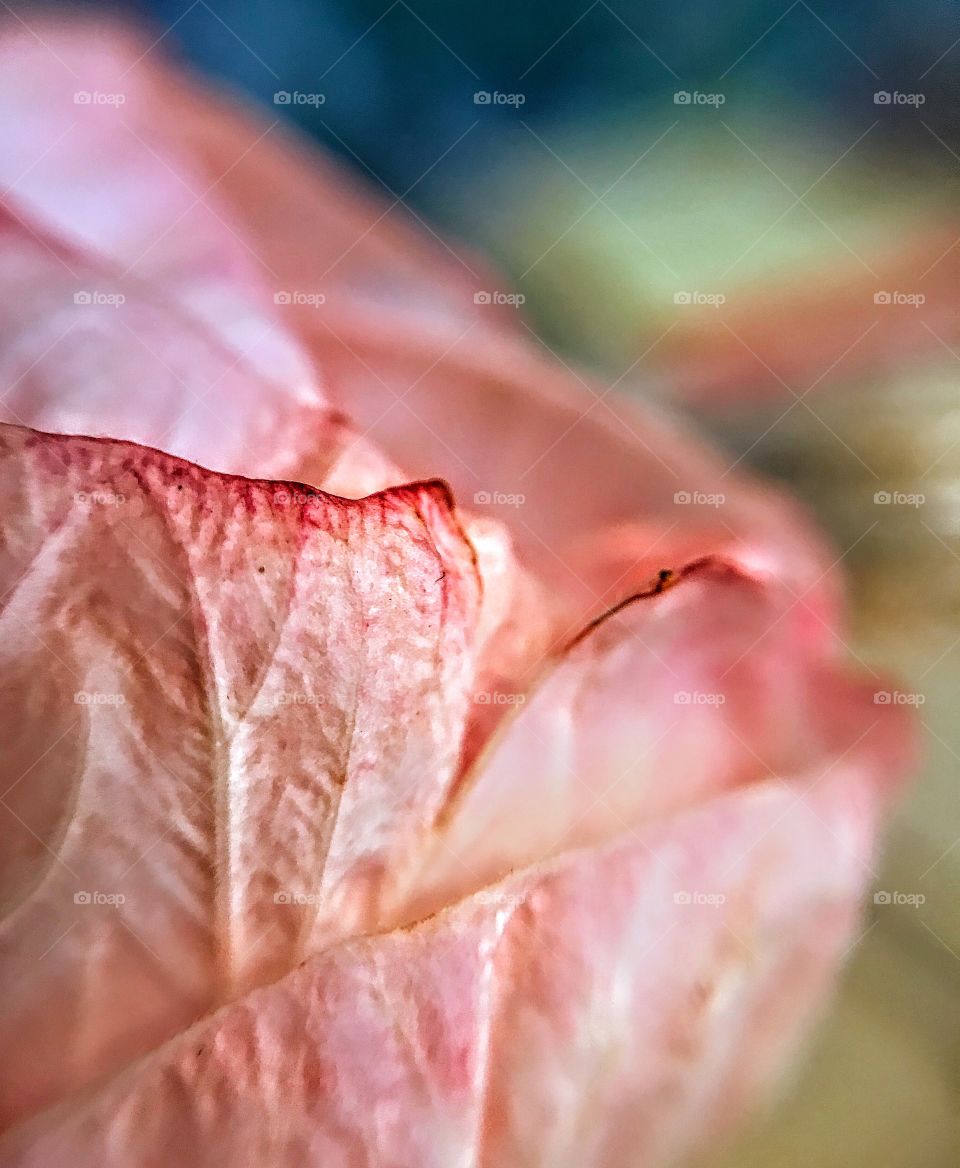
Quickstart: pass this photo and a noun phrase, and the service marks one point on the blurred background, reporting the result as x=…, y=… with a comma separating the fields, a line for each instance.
x=750, y=213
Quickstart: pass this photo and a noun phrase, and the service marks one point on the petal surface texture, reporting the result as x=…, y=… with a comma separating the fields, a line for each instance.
x=252, y=756
x=342, y=825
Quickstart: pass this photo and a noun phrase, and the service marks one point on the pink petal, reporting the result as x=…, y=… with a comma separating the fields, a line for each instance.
x=311, y=753
x=668, y=701
x=283, y=679
x=239, y=208
x=611, y=1010
x=295, y=732
x=103, y=177
x=85, y=348
x=598, y=493
x=398, y=328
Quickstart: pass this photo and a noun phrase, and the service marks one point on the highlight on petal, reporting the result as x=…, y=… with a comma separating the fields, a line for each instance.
x=87, y=349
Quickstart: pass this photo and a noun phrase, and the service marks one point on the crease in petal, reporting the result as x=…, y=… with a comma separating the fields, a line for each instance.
x=703, y=684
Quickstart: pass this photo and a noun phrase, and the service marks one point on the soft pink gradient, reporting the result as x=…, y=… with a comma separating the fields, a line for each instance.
x=527, y=833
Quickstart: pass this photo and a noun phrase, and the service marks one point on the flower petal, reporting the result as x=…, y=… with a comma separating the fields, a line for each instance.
x=240, y=703
x=598, y=493
x=83, y=144
x=599, y=481
x=582, y=1015
x=245, y=225
x=86, y=349
x=672, y=699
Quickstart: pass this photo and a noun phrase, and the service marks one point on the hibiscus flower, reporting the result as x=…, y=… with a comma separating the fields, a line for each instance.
x=414, y=754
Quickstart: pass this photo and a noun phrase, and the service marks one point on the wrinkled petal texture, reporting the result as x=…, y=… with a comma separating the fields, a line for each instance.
x=258, y=769
x=340, y=825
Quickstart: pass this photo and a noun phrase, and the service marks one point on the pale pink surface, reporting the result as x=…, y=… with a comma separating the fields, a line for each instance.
x=373, y=914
